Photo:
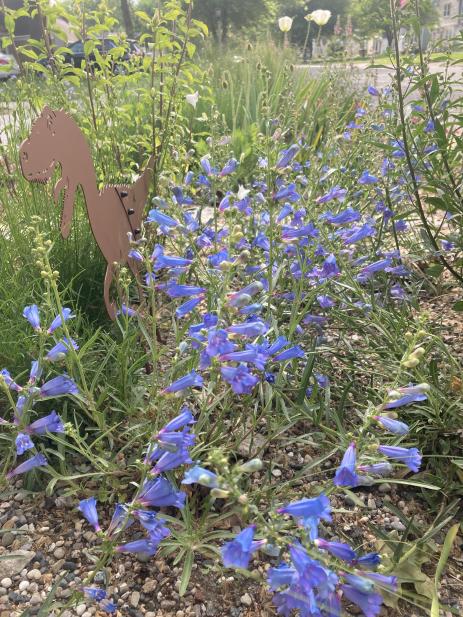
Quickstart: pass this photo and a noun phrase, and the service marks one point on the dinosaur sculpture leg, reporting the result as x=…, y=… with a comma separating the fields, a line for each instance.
x=110, y=306
x=136, y=272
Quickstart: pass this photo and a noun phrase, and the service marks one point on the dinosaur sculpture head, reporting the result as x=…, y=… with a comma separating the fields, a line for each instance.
x=38, y=152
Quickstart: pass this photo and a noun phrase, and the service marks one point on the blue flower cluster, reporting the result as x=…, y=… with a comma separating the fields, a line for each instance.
x=31, y=393
x=168, y=450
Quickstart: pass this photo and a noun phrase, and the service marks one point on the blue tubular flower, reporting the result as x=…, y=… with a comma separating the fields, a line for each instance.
x=229, y=167
x=368, y=271
x=9, y=381
x=185, y=417
x=369, y=603
x=58, y=320
x=187, y=307
x=178, y=291
x=136, y=255
x=108, y=606
x=355, y=234
x=145, y=547
x=94, y=593
x=409, y=456
x=180, y=197
x=35, y=372
x=160, y=493
x=23, y=442
x=393, y=426
x=335, y=193
x=337, y=549
x=345, y=474
x=287, y=156
x=290, y=354
x=31, y=313
x=280, y=576
x=284, y=212
x=59, y=351
x=155, y=526
x=237, y=553
x=247, y=355
x=126, y=310
x=325, y=301
x=406, y=399
x=296, y=598
x=38, y=460
x=380, y=469
x=171, y=261
x=370, y=560
x=58, y=386
x=250, y=329
x=120, y=520
x=190, y=380
x=373, y=91
x=367, y=178
x=311, y=572
x=172, y=460
x=158, y=217
x=287, y=192
x=240, y=379
x=88, y=509
x=359, y=582
x=382, y=580
x=305, y=508
x=199, y=475
x=206, y=165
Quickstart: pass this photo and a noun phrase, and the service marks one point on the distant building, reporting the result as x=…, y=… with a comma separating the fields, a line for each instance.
x=450, y=19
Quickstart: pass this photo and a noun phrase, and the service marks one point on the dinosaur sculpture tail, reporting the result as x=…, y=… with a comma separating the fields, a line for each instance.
x=138, y=193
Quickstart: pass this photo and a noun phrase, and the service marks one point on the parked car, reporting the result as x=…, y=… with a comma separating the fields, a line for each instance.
x=8, y=66
x=76, y=54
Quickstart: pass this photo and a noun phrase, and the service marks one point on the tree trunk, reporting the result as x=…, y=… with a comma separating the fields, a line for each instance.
x=225, y=24
x=127, y=17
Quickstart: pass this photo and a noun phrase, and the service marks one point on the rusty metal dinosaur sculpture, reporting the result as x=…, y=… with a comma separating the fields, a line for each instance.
x=114, y=212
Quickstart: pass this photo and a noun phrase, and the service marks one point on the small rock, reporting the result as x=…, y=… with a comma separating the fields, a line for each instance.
x=276, y=473
x=398, y=526
x=36, y=598
x=384, y=488
x=7, y=539
x=149, y=586
x=23, y=585
x=371, y=503
x=134, y=598
x=57, y=566
x=59, y=553
x=246, y=599
x=80, y=609
x=6, y=583
x=34, y=575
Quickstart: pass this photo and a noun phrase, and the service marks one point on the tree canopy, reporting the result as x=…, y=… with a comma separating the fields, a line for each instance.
x=374, y=17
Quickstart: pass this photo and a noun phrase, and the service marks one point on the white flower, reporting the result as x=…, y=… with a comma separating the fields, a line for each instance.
x=242, y=192
x=192, y=99
x=285, y=23
x=320, y=17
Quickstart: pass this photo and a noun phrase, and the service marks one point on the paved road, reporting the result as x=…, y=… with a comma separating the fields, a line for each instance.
x=364, y=74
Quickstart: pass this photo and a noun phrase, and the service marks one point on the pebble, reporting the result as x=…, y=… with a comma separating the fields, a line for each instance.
x=23, y=585
x=384, y=488
x=149, y=585
x=177, y=614
x=246, y=599
x=276, y=473
x=36, y=598
x=371, y=503
x=7, y=539
x=398, y=526
x=134, y=598
x=34, y=575
x=59, y=553
x=80, y=609
x=6, y=583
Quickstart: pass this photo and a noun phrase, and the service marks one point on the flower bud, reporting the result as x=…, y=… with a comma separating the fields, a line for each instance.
x=254, y=464
x=218, y=493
